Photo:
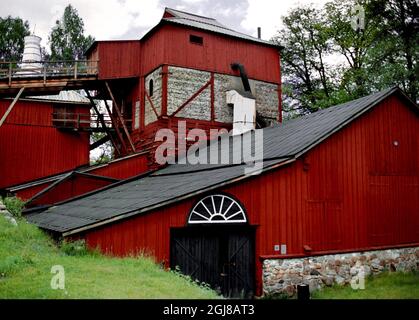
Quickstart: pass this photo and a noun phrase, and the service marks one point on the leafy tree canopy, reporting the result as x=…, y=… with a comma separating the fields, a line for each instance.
x=67, y=39
x=347, y=49
x=12, y=34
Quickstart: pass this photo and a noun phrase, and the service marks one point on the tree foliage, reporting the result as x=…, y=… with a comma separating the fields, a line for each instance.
x=305, y=71
x=397, y=52
x=329, y=58
x=103, y=153
x=12, y=34
x=67, y=39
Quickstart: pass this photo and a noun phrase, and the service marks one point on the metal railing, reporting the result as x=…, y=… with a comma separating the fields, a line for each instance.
x=45, y=69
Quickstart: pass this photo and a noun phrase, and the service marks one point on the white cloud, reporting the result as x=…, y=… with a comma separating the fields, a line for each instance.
x=109, y=19
x=130, y=19
x=193, y=1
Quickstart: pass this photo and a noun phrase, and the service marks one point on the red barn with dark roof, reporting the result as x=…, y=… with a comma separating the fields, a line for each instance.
x=339, y=190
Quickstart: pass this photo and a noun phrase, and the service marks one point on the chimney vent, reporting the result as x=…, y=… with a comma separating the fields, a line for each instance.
x=244, y=112
x=259, y=33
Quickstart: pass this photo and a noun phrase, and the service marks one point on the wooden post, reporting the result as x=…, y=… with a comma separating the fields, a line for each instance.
x=164, y=83
x=75, y=70
x=279, y=117
x=142, y=103
x=115, y=105
x=102, y=122
x=11, y=106
x=78, y=120
x=212, y=97
x=45, y=73
x=115, y=126
x=10, y=74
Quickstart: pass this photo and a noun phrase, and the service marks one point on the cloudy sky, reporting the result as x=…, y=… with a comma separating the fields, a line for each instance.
x=130, y=19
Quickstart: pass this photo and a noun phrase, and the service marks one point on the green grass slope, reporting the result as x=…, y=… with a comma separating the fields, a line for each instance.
x=386, y=285
x=27, y=256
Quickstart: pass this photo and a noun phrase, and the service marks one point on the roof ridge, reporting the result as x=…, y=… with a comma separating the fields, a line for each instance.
x=332, y=108
x=219, y=25
x=211, y=24
x=192, y=14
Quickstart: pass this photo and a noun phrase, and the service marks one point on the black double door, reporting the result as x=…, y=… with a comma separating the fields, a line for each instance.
x=221, y=256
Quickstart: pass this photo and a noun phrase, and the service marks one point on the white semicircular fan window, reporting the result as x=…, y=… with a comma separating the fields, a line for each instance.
x=217, y=208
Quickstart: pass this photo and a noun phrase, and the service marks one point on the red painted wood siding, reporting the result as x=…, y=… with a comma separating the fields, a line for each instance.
x=333, y=188
x=117, y=59
x=26, y=194
x=170, y=45
x=124, y=168
x=72, y=187
x=31, y=148
x=120, y=169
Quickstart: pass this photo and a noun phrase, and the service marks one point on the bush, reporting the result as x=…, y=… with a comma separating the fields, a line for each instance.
x=14, y=206
x=74, y=248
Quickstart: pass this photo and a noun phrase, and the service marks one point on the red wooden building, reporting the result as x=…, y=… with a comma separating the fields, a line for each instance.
x=344, y=179
x=181, y=69
x=63, y=186
x=35, y=141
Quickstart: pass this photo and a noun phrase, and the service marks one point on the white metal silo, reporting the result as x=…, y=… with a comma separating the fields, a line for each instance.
x=31, y=60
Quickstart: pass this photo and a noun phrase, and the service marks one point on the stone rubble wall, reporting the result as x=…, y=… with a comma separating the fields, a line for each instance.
x=6, y=214
x=150, y=115
x=184, y=82
x=281, y=276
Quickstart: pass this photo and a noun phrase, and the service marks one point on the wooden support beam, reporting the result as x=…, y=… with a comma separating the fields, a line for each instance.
x=3, y=119
x=279, y=117
x=121, y=118
x=10, y=74
x=102, y=123
x=192, y=98
x=98, y=143
x=115, y=126
x=164, y=89
x=212, y=97
x=152, y=104
x=142, y=103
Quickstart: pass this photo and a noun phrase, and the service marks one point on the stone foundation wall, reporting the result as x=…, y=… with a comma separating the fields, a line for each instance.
x=281, y=276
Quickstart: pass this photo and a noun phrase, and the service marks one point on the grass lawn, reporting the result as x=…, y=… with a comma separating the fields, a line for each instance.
x=383, y=286
x=27, y=255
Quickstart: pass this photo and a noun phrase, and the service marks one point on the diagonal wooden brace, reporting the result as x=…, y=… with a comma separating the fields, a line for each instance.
x=118, y=111
x=3, y=119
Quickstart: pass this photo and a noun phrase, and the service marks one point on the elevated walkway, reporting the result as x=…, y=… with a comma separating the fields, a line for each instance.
x=20, y=79
x=50, y=78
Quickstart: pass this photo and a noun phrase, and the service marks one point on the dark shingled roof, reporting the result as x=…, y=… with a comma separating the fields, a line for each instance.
x=282, y=144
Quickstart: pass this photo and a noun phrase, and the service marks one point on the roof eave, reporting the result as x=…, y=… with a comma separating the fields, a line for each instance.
x=284, y=162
